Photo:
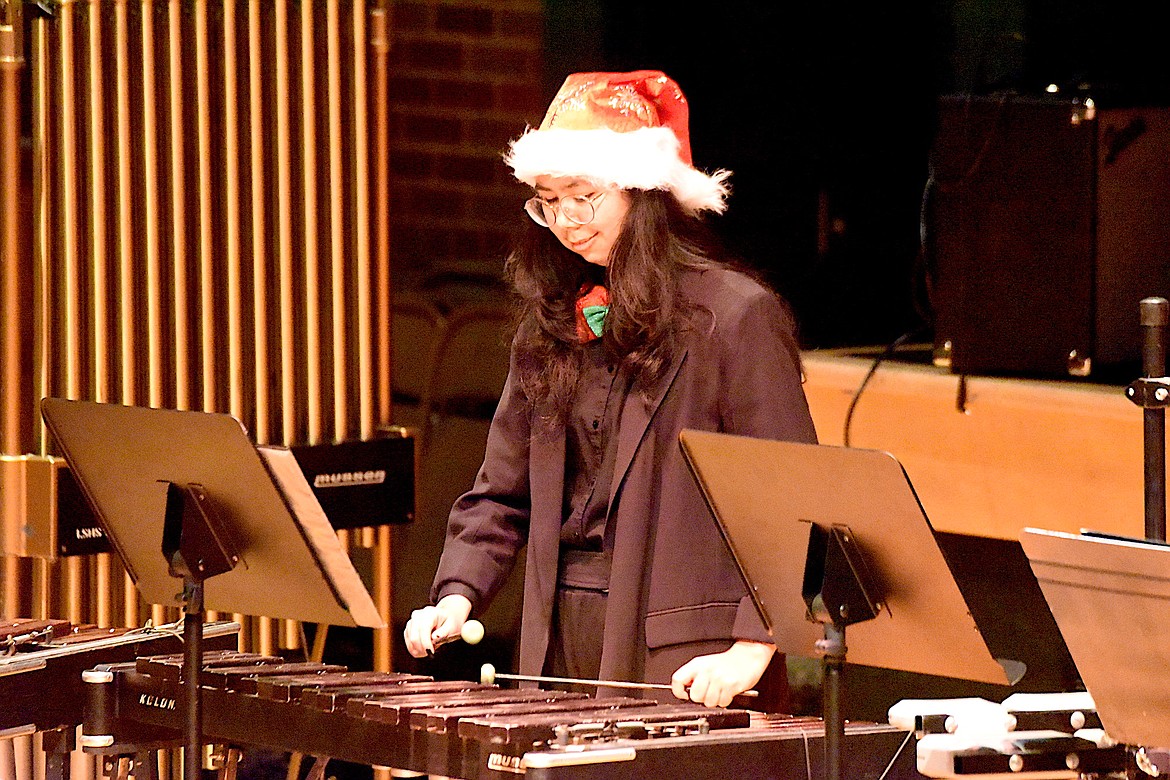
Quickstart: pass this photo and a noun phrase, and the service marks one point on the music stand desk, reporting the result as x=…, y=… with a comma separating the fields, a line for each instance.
x=764, y=494
x=1111, y=599
x=293, y=565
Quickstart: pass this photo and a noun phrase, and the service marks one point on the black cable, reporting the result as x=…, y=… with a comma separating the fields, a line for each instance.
x=889, y=350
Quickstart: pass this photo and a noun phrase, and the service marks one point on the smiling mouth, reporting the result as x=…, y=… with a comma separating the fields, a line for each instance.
x=579, y=245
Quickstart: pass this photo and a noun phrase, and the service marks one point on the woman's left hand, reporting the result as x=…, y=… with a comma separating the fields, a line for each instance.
x=715, y=679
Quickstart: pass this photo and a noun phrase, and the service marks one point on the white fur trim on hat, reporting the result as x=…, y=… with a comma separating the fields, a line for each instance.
x=644, y=159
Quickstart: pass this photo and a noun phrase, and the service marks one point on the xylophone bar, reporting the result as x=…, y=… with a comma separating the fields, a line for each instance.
x=290, y=687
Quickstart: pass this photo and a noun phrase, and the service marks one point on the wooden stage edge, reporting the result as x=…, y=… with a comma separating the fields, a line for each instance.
x=1014, y=453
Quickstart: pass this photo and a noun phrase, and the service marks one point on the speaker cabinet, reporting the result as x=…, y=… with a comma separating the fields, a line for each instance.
x=1047, y=221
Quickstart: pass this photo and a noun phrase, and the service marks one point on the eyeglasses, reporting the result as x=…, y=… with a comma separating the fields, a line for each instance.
x=576, y=209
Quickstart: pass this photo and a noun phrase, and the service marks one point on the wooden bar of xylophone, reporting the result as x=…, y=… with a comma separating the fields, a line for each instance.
x=469, y=730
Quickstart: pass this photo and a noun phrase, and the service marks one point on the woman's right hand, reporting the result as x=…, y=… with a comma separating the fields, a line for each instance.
x=430, y=627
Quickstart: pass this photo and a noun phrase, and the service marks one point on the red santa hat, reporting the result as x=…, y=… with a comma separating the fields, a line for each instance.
x=625, y=130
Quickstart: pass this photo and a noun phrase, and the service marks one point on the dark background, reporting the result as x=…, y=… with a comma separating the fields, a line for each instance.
x=825, y=113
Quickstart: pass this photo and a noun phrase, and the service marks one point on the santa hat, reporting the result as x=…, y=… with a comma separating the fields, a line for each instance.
x=626, y=130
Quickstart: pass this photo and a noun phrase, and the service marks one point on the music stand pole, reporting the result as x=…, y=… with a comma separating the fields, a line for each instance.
x=833, y=663
x=192, y=677
x=838, y=589
x=197, y=545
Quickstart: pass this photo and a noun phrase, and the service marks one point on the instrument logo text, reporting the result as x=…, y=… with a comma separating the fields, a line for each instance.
x=157, y=702
x=348, y=478
x=501, y=763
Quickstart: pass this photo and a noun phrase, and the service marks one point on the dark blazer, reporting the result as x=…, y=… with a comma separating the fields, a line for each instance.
x=672, y=578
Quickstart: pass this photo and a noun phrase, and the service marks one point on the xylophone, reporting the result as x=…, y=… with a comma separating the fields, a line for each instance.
x=471, y=730
x=41, y=662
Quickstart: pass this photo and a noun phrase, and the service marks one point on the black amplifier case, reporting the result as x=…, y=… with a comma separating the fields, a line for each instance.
x=1046, y=222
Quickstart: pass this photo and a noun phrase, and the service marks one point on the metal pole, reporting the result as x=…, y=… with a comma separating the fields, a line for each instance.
x=834, y=668
x=12, y=410
x=192, y=674
x=1154, y=316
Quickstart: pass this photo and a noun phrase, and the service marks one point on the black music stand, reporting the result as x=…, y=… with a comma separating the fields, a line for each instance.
x=1110, y=597
x=238, y=524
x=775, y=502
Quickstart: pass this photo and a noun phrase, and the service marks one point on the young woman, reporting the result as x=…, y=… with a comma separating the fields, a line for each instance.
x=630, y=330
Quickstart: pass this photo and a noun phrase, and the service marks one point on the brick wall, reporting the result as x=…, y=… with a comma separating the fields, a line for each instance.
x=465, y=78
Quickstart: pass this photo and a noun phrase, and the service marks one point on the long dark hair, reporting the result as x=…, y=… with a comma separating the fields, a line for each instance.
x=658, y=242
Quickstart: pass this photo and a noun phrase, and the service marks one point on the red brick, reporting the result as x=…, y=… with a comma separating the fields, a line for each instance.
x=504, y=60
x=410, y=17
x=523, y=24
x=461, y=94
x=408, y=91
x=468, y=169
x=439, y=202
x=411, y=164
x=432, y=55
x=432, y=129
x=449, y=18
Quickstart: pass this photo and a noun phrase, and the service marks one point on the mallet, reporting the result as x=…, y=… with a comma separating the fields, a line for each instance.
x=488, y=676
x=472, y=632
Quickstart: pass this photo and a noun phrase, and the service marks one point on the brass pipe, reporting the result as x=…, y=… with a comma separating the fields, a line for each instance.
x=152, y=217
x=207, y=298
x=180, y=304
x=103, y=565
x=313, y=324
x=100, y=333
x=38, y=590
x=103, y=590
x=256, y=68
x=13, y=587
x=43, y=344
x=380, y=47
x=383, y=638
x=127, y=277
x=127, y=265
x=266, y=635
x=232, y=214
x=337, y=227
x=287, y=298
x=12, y=261
x=42, y=589
x=71, y=605
x=70, y=251
x=361, y=225
x=130, y=602
x=383, y=599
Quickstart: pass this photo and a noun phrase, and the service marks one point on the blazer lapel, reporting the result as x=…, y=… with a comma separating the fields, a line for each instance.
x=637, y=412
x=546, y=482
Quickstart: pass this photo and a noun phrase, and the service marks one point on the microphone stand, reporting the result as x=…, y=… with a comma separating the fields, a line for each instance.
x=1152, y=393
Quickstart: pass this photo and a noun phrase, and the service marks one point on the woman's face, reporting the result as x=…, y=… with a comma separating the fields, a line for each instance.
x=594, y=239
